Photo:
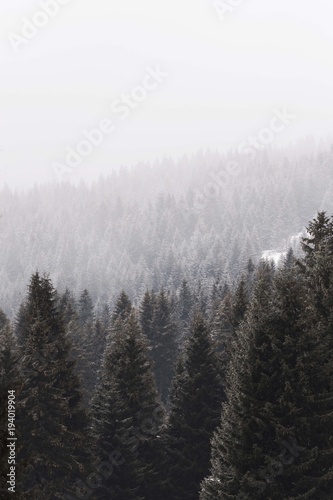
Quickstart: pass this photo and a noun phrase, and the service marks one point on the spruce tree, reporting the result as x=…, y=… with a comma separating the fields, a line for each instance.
x=86, y=308
x=185, y=299
x=274, y=437
x=239, y=304
x=164, y=347
x=195, y=408
x=67, y=307
x=106, y=317
x=122, y=308
x=317, y=269
x=238, y=440
x=20, y=324
x=52, y=424
x=127, y=415
x=146, y=310
x=3, y=319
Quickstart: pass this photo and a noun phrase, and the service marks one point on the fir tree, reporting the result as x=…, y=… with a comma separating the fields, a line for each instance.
x=128, y=415
x=122, y=308
x=235, y=442
x=86, y=308
x=106, y=317
x=163, y=344
x=195, y=408
x=53, y=427
x=274, y=437
x=185, y=299
x=67, y=307
x=20, y=324
x=239, y=304
x=146, y=310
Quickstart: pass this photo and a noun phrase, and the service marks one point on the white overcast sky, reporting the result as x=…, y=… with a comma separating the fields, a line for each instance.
x=225, y=76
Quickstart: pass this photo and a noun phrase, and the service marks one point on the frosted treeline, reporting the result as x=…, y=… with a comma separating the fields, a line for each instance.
x=154, y=225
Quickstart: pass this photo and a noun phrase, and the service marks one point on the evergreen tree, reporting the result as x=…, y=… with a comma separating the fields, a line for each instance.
x=317, y=269
x=274, y=437
x=89, y=339
x=53, y=427
x=106, y=317
x=195, y=408
x=86, y=308
x=122, y=308
x=235, y=442
x=3, y=319
x=239, y=304
x=185, y=299
x=146, y=310
x=67, y=307
x=128, y=415
x=94, y=337
x=163, y=344
x=20, y=324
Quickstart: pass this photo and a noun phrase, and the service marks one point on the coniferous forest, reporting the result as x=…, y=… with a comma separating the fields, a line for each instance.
x=189, y=394
x=166, y=250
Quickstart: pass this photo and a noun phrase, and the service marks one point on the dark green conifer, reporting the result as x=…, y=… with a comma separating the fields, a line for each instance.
x=195, y=408
x=128, y=415
x=53, y=428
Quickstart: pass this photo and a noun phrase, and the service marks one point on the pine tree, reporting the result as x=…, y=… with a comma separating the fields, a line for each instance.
x=128, y=415
x=195, y=408
x=53, y=427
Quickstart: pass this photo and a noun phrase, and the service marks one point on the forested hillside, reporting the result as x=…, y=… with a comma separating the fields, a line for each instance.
x=198, y=219
x=186, y=396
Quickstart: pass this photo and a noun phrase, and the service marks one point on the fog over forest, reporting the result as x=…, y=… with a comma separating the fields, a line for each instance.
x=166, y=250
x=200, y=218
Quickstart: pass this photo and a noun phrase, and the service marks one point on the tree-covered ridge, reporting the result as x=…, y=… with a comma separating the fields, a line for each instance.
x=152, y=227
x=187, y=396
